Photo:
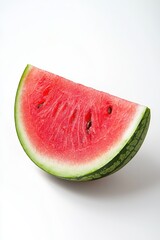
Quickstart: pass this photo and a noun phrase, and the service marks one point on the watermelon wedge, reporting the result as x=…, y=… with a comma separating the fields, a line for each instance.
x=73, y=131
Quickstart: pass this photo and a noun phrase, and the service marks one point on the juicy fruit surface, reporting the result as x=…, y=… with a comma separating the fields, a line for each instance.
x=75, y=132
x=70, y=121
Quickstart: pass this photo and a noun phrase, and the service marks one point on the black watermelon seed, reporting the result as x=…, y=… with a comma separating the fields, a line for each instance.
x=109, y=110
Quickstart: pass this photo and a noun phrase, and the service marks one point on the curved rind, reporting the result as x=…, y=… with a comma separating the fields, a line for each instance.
x=125, y=155
x=121, y=158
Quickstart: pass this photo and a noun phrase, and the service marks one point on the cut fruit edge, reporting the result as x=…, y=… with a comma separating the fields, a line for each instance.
x=90, y=170
x=126, y=154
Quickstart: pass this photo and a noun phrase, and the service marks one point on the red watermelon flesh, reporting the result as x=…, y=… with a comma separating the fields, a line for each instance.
x=69, y=124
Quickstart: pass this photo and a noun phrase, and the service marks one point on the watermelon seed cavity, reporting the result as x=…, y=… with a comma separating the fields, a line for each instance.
x=109, y=110
x=89, y=124
x=40, y=104
x=89, y=121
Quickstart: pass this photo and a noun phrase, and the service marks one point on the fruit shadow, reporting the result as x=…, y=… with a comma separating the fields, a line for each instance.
x=141, y=174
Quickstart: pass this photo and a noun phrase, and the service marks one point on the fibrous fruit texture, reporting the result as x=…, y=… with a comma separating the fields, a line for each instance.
x=73, y=131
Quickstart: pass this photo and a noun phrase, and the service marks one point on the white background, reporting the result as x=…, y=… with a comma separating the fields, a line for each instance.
x=113, y=46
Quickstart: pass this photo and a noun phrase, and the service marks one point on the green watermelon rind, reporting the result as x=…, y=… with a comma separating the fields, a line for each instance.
x=121, y=158
x=126, y=154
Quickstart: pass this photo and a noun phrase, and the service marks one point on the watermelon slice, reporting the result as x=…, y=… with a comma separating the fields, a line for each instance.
x=73, y=131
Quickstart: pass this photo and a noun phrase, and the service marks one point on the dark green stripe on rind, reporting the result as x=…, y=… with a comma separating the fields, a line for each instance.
x=125, y=155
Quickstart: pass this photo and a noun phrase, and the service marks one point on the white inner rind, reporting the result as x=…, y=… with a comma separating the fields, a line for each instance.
x=63, y=169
